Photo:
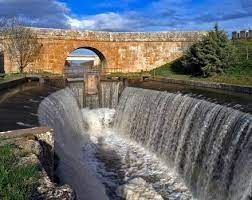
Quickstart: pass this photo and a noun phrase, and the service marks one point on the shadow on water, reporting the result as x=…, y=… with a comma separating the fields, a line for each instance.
x=19, y=105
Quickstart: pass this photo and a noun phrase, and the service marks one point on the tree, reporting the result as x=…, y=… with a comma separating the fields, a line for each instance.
x=212, y=54
x=21, y=43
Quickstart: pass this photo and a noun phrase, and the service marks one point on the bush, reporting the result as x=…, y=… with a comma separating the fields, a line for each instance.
x=212, y=54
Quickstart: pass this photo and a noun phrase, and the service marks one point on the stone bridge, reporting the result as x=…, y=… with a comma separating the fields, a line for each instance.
x=127, y=51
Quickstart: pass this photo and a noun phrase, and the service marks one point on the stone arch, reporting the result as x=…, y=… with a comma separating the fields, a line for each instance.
x=101, y=55
x=103, y=59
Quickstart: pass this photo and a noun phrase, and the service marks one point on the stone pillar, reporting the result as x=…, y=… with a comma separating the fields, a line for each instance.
x=91, y=92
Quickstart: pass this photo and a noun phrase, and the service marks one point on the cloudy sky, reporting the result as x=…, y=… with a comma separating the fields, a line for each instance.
x=132, y=15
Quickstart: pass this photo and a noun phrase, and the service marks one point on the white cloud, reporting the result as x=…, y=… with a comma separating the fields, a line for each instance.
x=45, y=13
x=153, y=16
x=104, y=21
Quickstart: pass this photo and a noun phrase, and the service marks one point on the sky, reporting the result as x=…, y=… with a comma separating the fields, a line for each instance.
x=132, y=15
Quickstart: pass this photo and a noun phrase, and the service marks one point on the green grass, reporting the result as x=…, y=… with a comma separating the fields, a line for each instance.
x=12, y=76
x=240, y=73
x=16, y=182
x=232, y=76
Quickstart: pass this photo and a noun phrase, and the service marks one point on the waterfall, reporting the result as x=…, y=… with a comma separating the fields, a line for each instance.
x=209, y=145
x=61, y=112
x=109, y=93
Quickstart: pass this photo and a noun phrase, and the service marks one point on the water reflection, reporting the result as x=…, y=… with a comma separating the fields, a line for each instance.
x=18, y=106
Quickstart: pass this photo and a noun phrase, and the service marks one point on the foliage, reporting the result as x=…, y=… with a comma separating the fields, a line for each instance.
x=16, y=182
x=21, y=43
x=212, y=54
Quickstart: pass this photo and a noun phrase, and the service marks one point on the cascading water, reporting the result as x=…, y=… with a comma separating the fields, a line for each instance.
x=209, y=145
x=127, y=170
x=148, y=136
x=60, y=111
x=109, y=94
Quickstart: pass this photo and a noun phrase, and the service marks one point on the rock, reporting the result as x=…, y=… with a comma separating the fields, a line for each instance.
x=47, y=190
x=31, y=146
x=30, y=159
x=138, y=189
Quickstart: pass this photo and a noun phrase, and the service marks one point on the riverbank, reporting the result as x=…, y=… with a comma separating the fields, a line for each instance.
x=202, y=84
x=27, y=166
x=234, y=77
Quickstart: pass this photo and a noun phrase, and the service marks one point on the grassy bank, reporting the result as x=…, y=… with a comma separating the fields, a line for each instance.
x=240, y=73
x=16, y=181
x=232, y=76
x=8, y=77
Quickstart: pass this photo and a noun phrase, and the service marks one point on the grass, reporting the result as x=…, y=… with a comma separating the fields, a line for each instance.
x=12, y=76
x=16, y=182
x=240, y=73
x=232, y=76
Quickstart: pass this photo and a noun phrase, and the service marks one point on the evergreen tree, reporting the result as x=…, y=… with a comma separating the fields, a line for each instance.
x=212, y=54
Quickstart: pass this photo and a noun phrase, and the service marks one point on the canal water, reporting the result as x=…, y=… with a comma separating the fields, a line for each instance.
x=19, y=105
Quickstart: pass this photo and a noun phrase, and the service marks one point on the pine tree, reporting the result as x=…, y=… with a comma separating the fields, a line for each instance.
x=212, y=54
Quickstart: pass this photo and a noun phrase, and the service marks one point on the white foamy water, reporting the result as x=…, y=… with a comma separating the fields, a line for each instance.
x=208, y=145
x=60, y=111
x=116, y=159
x=98, y=119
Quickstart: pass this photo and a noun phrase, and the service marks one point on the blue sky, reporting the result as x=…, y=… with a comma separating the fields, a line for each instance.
x=132, y=15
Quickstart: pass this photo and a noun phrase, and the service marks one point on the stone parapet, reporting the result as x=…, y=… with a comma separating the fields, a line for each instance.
x=127, y=51
x=45, y=33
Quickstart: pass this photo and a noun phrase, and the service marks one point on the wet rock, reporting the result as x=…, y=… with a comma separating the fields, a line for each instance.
x=138, y=189
x=50, y=191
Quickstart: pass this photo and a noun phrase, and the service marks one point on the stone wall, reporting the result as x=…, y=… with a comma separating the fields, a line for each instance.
x=122, y=51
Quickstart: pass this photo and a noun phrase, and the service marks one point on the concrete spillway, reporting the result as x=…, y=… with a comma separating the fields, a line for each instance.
x=158, y=136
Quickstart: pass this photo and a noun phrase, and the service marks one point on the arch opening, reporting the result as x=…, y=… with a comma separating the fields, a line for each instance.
x=2, y=71
x=83, y=60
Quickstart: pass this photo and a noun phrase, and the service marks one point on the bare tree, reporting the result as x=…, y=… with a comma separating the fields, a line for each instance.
x=21, y=43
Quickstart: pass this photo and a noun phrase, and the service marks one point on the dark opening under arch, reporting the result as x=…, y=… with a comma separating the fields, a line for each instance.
x=2, y=63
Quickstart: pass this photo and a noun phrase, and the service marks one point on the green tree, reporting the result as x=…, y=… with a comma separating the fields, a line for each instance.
x=212, y=54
